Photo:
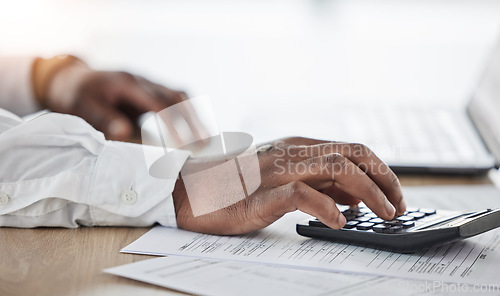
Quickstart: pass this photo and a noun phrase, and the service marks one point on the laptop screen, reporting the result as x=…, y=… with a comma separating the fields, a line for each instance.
x=484, y=108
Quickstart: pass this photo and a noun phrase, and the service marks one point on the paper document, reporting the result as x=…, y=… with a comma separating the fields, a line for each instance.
x=215, y=277
x=471, y=261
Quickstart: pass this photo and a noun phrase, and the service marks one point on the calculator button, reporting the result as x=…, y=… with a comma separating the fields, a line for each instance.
x=316, y=223
x=376, y=220
x=349, y=217
x=381, y=228
x=405, y=218
x=364, y=226
x=351, y=210
x=348, y=211
x=352, y=213
x=393, y=222
x=417, y=215
x=428, y=212
x=396, y=228
x=351, y=224
x=408, y=224
x=362, y=219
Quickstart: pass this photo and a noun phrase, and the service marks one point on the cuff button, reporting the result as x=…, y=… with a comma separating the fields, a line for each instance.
x=129, y=197
x=4, y=198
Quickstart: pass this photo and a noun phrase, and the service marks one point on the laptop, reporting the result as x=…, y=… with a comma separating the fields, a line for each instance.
x=429, y=139
x=441, y=140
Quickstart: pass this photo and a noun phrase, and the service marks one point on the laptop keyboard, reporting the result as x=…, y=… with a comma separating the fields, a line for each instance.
x=406, y=136
x=411, y=135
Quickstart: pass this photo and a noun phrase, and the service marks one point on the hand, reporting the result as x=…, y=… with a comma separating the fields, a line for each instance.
x=110, y=101
x=307, y=175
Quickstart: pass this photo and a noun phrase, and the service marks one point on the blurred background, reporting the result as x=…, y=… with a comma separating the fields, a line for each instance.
x=268, y=62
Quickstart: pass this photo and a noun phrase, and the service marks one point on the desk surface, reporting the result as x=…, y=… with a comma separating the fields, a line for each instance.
x=52, y=261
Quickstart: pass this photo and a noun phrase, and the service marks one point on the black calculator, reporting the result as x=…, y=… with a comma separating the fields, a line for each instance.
x=418, y=229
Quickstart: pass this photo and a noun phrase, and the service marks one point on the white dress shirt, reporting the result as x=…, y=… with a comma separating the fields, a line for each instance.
x=57, y=170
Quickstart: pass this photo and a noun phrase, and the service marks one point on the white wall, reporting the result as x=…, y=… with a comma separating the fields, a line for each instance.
x=275, y=54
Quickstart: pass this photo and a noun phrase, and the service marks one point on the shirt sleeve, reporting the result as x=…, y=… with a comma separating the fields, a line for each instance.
x=56, y=170
x=16, y=91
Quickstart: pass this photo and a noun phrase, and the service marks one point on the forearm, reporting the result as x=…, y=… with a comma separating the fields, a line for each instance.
x=59, y=171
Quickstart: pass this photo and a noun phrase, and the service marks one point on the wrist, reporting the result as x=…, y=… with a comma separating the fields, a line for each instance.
x=55, y=80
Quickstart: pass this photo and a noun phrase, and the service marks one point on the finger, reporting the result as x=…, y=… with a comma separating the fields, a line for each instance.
x=186, y=110
x=377, y=170
x=340, y=196
x=130, y=90
x=334, y=169
x=304, y=141
x=366, y=159
x=168, y=97
x=191, y=117
x=168, y=123
x=144, y=100
x=297, y=195
x=105, y=118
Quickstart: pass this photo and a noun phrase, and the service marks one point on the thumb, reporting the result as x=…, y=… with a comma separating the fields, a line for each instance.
x=118, y=128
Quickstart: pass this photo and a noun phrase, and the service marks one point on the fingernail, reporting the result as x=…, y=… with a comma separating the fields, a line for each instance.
x=341, y=220
x=402, y=206
x=116, y=128
x=390, y=210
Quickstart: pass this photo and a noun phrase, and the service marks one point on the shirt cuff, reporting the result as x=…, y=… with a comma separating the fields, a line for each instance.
x=137, y=195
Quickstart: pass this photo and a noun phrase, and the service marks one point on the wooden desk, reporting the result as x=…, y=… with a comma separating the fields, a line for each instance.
x=51, y=261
